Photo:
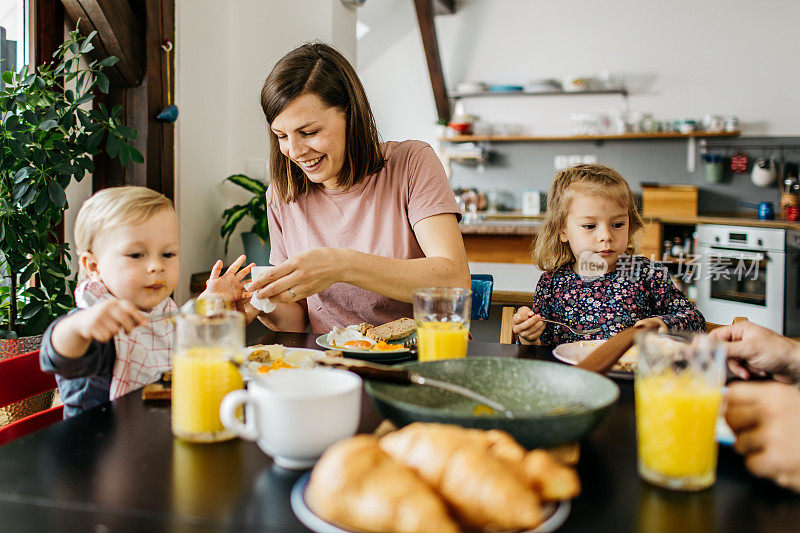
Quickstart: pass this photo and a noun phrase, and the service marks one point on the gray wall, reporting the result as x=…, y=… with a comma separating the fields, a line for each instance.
x=515, y=167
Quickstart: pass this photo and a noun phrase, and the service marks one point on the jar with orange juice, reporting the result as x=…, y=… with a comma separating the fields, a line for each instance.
x=202, y=373
x=678, y=392
x=442, y=315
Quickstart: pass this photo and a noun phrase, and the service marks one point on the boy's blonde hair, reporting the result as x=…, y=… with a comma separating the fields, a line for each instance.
x=114, y=207
x=549, y=253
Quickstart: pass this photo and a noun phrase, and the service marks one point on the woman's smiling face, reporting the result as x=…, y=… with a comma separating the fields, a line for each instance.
x=312, y=135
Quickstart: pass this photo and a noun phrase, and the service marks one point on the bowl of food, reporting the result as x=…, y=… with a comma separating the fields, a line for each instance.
x=574, y=352
x=551, y=403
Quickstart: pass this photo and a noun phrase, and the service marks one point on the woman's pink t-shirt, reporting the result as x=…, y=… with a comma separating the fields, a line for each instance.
x=376, y=216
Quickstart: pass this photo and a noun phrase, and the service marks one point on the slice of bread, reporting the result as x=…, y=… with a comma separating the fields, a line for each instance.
x=396, y=329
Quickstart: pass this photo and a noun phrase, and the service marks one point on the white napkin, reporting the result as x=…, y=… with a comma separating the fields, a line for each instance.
x=262, y=304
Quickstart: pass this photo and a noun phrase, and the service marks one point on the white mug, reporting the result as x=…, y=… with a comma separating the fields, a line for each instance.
x=295, y=414
x=764, y=173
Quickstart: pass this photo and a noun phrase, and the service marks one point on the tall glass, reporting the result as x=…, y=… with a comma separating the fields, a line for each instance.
x=678, y=388
x=202, y=374
x=442, y=316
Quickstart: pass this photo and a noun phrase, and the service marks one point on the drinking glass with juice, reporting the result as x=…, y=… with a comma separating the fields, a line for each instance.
x=678, y=392
x=442, y=316
x=202, y=374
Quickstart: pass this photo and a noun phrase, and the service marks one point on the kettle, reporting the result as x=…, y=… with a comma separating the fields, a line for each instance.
x=764, y=173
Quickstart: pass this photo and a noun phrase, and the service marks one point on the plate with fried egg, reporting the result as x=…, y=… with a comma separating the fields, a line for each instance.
x=351, y=340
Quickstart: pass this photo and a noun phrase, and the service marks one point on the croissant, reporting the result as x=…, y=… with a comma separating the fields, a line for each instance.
x=481, y=488
x=356, y=484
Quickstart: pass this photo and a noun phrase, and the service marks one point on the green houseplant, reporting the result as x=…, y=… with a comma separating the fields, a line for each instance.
x=46, y=139
x=256, y=210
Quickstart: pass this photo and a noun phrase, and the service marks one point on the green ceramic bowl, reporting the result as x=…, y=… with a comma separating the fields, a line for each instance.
x=552, y=403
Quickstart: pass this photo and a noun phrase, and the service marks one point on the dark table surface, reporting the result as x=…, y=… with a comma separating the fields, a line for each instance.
x=118, y=468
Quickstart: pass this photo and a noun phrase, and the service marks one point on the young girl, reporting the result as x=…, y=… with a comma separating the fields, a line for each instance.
x=591, y=278
x=127, y=238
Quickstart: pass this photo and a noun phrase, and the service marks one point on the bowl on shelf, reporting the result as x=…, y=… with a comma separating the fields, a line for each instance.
x=462, y=128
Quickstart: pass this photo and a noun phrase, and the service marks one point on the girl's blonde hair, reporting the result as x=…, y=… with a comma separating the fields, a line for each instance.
x=549, y=253
x=114, y=207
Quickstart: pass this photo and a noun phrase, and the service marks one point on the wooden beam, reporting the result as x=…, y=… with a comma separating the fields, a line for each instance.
x=118, y=34
x=444, y=7
x=428, y=31
x=140, y=105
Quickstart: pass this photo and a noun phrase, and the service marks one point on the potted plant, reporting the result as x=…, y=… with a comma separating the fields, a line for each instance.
x=256, y=241
x=46, y=139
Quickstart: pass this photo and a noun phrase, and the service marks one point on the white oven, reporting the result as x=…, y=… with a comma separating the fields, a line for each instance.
x=750, y=272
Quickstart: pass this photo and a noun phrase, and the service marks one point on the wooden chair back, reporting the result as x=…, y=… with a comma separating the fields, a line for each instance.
x=508, y=337
x=21, y=378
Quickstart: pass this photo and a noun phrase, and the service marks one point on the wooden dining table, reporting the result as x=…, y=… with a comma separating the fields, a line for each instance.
x=117, y=467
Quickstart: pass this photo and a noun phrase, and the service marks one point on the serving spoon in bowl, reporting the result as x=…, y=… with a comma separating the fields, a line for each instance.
x=404, y=376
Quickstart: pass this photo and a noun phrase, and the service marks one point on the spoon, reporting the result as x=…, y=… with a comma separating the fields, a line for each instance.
x=573, y=330
x=404, y=376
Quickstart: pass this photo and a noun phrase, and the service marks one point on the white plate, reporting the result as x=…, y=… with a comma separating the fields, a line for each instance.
x=322, y=341
x=574, y=352
x=297, y=357
x=557, y=514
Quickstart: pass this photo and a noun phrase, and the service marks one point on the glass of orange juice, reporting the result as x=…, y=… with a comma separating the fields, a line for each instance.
x=442, y=316
x=678, y=392
x=202, y=374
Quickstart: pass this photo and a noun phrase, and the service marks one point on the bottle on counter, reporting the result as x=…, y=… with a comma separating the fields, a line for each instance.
x=677, y=247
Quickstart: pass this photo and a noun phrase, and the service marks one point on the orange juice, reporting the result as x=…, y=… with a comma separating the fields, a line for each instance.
x=200, y=379
x=675, y=420
x=441, y=340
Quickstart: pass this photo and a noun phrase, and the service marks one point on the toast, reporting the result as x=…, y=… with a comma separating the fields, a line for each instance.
x=396, y=329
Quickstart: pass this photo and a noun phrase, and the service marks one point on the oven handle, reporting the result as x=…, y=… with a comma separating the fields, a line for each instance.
x=732, y=254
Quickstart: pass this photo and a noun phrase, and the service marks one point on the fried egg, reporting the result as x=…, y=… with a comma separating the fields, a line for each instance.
x=349, y=337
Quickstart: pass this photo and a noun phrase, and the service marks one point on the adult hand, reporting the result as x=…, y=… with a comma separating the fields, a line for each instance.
x=301, y=276
x=753, y=349
x=765, y=417
x=231, y=286
x=652, y=323
x=105, y=319
x=527, y=325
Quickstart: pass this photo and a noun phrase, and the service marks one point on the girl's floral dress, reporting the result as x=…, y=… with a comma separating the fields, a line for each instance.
x=637, y=288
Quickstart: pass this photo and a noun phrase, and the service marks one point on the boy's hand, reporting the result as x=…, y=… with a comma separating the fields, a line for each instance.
x=107, y=318
x=72, y=336
x=526, y=325
x=230, y=285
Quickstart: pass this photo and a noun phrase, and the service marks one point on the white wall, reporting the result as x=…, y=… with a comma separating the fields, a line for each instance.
x=682, y=59
x=223, y=53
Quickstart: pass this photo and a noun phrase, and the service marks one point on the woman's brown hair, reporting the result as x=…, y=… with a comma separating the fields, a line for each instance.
x=316, y=68
x=549, y=253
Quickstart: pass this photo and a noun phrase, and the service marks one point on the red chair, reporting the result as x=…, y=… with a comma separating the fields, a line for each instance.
x=20, y=378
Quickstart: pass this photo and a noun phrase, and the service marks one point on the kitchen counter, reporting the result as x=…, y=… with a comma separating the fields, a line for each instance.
x=515, y=223
x=513, y=283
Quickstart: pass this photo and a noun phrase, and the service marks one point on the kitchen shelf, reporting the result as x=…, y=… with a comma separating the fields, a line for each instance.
x=616, y=137
x=456, y=96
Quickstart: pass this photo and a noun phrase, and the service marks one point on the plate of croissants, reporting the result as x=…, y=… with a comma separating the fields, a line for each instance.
x=435, y=477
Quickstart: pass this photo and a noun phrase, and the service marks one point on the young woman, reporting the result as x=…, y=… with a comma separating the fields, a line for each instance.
x=356, y=225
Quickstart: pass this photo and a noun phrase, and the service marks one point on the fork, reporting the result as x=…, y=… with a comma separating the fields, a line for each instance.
x=573, y=330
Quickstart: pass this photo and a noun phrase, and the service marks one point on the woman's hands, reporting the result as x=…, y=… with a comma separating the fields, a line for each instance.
x=300, y=276
x=231, y=286
x=766, y=420
x=753, y=349
x=527, y=325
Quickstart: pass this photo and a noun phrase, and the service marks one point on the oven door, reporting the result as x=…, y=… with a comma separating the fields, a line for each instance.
x=744, y=283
